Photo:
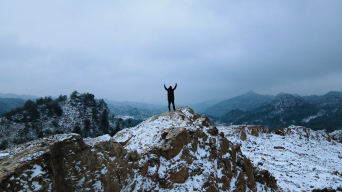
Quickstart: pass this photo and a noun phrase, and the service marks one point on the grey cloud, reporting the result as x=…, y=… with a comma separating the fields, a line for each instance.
x=128, y=50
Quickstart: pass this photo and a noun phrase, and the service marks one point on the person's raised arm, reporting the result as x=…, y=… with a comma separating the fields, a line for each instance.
x=175, y=87
x=165, y=87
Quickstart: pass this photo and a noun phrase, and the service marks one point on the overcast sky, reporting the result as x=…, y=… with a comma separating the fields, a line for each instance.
x=127, y=50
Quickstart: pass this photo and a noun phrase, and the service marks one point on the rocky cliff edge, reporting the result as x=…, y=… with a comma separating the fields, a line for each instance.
x=175, y=151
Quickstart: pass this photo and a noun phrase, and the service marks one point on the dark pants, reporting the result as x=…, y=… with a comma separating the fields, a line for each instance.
x=173, y=103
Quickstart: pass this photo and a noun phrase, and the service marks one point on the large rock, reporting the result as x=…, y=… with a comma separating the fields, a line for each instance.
x=174, y=142
x=103, y=163
x=336, y=135
x=180, y=176
x=27, y=167
x=66, y=163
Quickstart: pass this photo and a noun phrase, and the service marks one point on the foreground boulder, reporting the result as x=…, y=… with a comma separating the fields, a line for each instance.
x=177, y=150
x=65, y=163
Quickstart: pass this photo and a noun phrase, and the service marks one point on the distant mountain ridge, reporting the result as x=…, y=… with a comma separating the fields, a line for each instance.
x=7, y=104
x=10, y=101
x=134, y=110
x=286, y=101
x=316, y=112
x=246, y=101
x=329, y=99
x=201, y=107
x=11, y=95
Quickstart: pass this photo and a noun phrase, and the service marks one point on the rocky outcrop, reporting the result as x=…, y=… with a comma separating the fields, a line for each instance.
x=336, y=135
x=326, y=190
x=79, y=167
x=177, y=150
x=187, y=152
x=66, y=163
x=305, y=133
x=243, y=131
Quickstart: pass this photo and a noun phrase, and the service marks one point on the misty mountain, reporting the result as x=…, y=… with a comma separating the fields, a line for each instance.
x=134, y=110
x=330, y=113
x=283, y=110
x=201, y=107
x=330, y=99
x=316, y=112
x=246, y=101
x=10, y=101
x=11, y=95
x=7, y=104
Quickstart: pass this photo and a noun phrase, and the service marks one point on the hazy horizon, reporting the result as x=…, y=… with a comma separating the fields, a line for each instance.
x=127, y=51
x=164, y=103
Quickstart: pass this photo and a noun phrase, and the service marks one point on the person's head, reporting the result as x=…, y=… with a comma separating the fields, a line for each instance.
x=170, y=87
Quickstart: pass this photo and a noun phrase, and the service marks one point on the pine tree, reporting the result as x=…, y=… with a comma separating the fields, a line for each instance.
x=62, y=98
x=74, y=95
x=104, y=122
x=94, y=113
x=86, y=129
x=77, y=129
x=32, y=109
x=4, y=144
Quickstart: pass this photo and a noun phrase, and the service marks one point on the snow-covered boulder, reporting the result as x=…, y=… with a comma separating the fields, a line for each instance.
x=337, y=135
x=180, y=151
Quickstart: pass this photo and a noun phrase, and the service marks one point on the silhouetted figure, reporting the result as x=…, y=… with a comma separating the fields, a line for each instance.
x=171, y=96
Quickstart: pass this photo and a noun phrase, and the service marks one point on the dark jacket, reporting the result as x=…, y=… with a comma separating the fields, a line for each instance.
x=170, y=94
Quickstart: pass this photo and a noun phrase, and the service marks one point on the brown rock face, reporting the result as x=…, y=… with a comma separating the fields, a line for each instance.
x=243, y=136
x=71, y=165
x=61, y=152
x=249, y=170
x=19, y=170
x=133, y=156
x=16, y=177
x=244, y=130
x=255, y=130
x=144, y=169
x=265, y=177
x=240, y=183
x=174, y=143
x=180, y=176
x=104, y=163
x=213, y=131
x=224, y=145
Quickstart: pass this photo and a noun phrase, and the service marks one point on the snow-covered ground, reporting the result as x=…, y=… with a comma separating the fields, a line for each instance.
x=298, y=163
x=147, y=134
x=302, y=160
x=124, y=117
